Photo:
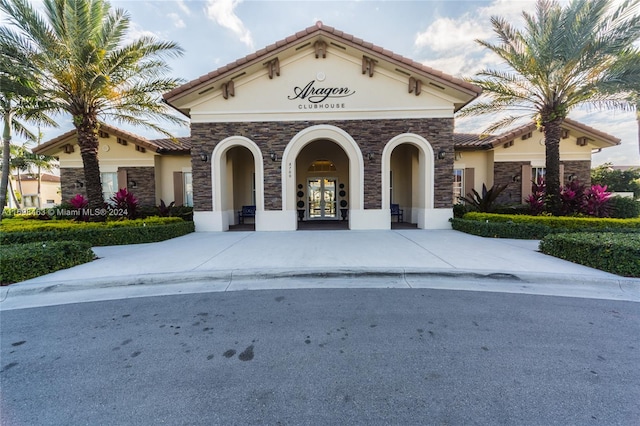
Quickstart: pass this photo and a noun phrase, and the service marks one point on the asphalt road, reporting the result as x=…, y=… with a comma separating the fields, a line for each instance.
x=323, y=356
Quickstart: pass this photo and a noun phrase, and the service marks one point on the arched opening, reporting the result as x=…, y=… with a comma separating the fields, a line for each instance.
x=408, y=179
x=240, y=188
x=404, y=185
x=325, y=143
x=322, y=182
x=237, y=181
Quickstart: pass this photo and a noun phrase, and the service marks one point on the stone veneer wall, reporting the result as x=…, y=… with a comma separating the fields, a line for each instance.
x=581, y=169
x=370, y=135
x=503, y=173
x=146, y=184
x=144, y=177
x=68, y=187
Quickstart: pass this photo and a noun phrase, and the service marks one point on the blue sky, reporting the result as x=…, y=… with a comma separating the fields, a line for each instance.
x=439, y=34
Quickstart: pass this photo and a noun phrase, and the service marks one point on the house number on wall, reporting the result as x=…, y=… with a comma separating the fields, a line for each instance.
x=290, y=169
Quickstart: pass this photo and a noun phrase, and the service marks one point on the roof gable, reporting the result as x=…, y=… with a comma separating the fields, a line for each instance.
x=468, y=141
x=160, y=146
x=323, y=42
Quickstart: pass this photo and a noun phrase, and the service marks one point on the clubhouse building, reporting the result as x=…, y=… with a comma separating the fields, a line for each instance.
x=323, y=126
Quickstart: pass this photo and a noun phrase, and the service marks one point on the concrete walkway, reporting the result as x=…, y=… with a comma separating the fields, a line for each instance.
x=299, y=259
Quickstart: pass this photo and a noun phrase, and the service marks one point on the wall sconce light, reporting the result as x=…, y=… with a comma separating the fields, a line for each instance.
x=571, y=177
x=274, y=156
x=442, y=154
x=371, y=156
x=79, y=184
x=204, y=156
x=516, y=178
x=133, y=184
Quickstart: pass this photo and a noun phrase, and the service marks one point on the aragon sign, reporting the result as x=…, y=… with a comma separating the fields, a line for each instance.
x=318, y=95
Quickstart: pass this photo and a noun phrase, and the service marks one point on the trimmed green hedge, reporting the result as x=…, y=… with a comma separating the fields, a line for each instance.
x=24, y=261
x=565, y=222
x=97, y=234
x=537, y=227
x=520, y=231
x=611, y=252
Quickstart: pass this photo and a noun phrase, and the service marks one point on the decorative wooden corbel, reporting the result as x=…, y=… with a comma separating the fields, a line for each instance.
x=228, y=89
x=321, y=48
x=274, y=67
x=367, y=66
x=415, y=86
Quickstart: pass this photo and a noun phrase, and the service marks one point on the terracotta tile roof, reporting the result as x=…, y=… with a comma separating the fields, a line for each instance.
x=174, y=146
x=44, y=177
x=329, y=32
x=161, y=146
x=468, y=141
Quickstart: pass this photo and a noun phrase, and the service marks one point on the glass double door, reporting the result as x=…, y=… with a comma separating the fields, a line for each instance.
x=322, y=198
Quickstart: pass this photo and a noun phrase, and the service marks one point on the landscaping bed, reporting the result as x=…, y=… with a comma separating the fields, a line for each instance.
x=30, y=248
x=608, y=251
x=611, y=245
x=24, y=261
x=537, y=227
x=148, y=230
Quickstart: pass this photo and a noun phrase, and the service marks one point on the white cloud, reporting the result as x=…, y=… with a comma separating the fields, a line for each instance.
x=136, y=31
x=223, y=12
x=183, y=7
x=177, y=20
x=452, y=35
x=464, y=65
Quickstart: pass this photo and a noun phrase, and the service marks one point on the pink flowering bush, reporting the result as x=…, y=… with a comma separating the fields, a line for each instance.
x=79, y=202
x=536, y=199
x=124, y=203
x=597, y=201
x=576, y=199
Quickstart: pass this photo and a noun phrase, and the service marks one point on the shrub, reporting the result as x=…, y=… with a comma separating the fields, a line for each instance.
x=484, y=202
x=459, y=209
x=617, y=180
x=512, y=209
x=624, y=207
x=536, y=199
x=536, y=227
x=124, y=203
x=567, y=222
x=610, y=252
x=147, y=230
x=24, y=261
x=521, y=231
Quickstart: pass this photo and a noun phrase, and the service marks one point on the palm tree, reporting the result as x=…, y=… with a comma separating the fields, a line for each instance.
x=19, y=105
x=564, y=57
x=23, y=161
x=90, y=71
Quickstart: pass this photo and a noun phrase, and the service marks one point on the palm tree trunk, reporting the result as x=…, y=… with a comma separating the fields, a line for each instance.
x=39, y=186
x=6, y=151
x=13, y=195
x=20, y=185
x=88, y=141
x=553, y=180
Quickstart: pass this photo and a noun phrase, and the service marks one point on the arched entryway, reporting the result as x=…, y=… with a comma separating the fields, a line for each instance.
x=408, y=177
x=316, y=162
x=322, y=191
x=237, y=181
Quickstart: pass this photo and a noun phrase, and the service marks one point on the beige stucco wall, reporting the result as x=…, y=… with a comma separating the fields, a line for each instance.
x=165, y=165
x=481, y=162
x=111, y=155
x=48, y=191
x=258, y=98
x=532, y=149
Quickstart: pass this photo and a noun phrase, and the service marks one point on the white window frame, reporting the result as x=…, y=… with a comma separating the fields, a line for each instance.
x=458, y=186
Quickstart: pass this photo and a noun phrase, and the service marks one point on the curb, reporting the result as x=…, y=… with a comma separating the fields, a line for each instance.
x=409, y=276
